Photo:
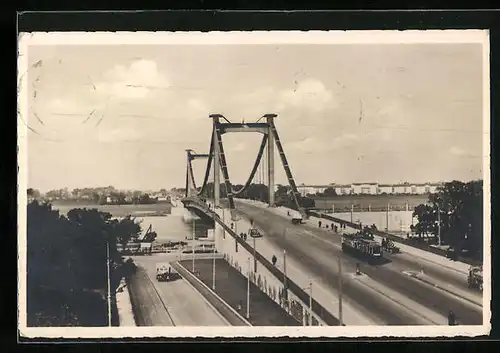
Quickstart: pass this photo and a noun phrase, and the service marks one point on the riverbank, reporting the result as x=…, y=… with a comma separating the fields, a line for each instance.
x=151, y=210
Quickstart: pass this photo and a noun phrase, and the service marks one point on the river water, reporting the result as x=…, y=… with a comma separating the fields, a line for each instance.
x=176, y=226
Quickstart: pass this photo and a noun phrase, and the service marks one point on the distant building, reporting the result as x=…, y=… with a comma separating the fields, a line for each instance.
x=364, y=188
x=371, y=188
x=385, y=189
x=305, y=190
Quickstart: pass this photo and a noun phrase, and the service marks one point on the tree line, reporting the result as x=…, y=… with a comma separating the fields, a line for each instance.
x=455, y=215
x=67, y=264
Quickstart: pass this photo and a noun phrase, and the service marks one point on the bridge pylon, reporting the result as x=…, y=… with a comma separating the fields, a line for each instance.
x=221, y=125
x=190, y=181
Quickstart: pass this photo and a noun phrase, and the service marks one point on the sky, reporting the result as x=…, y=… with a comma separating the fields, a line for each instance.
x=123, y=115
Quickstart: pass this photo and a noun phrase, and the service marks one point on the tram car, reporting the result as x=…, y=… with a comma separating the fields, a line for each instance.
x=362, y=247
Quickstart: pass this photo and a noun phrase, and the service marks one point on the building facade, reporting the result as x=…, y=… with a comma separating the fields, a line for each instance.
x=371, y=189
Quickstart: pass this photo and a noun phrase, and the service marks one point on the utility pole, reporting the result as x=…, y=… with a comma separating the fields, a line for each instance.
x=387, y=219
x=248, y=290
x=310, y=302
x=213, y=269
x=439, y=227
x=109, y=283
x=285, y=284
x=352, y=210
x=192, y=244
x=223, y=221
x=254, y=257
x=340, y=291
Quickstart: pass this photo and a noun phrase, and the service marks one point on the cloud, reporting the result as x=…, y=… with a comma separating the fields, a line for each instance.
x=118, y=134
x=314, y=145
x=310, y=94
x=457, y=151
x=135, y=81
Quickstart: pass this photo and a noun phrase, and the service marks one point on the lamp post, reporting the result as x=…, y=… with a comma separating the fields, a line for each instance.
x=248, y=290
x=310, y=302
x=340, y=291
x=254, y=256
x=285, y=284
x=192, y=244
x=439, y=226
x=108, y=271
x=213, y=268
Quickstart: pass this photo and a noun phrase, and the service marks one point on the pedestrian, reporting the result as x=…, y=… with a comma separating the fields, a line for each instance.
x=240, y=305
x=319, y=224
x=274, y=260
x=358, y=270
x=451, y=318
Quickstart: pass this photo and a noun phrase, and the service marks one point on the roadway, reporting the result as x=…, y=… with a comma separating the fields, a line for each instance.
x=319, y=250
x=148, y=307
x=185, y=305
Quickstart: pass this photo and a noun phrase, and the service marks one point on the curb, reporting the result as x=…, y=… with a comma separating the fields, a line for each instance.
x=204, y=299
x=159, y=297
x=241, y=318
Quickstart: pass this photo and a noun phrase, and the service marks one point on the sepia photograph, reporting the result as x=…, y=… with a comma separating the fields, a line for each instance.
x=254, y=184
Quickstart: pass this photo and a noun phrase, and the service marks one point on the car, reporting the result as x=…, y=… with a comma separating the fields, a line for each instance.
x=254, y=233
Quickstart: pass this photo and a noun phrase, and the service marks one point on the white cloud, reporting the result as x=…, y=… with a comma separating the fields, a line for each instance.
x=118, y=134
x=314, y=145
x=457, y=151
x=310, y=94
x=133, y=82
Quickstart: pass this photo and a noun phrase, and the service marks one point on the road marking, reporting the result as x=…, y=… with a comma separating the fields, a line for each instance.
x=416, y=277
x=357, y=278
x=321, y=239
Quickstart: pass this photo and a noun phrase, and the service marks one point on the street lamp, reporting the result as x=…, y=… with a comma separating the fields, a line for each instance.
x=248, y=290
x=192, y=244
x=340, y=291
x=109, y=283
x=310, y=301
x=213, y=268
x=254, y=256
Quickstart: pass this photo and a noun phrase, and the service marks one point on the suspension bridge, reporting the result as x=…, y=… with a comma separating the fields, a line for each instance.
x=385, y=293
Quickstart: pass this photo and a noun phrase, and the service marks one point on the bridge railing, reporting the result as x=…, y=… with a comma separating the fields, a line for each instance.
x=317, y=308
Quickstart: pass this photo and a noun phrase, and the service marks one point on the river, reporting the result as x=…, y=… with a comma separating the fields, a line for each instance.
x=176, y=226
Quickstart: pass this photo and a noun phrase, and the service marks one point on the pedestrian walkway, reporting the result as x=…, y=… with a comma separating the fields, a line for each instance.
x=231, y=286
x=124, y=306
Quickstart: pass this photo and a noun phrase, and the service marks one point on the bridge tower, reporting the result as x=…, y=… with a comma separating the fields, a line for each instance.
x=221, y=125
x=190, y=181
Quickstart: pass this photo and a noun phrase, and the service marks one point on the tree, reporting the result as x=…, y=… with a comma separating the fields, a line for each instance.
x=66, y=265
x=426, y=220
x=460, y=209
x=329, y=191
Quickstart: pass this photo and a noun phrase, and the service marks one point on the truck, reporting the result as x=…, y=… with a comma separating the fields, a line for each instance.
x=475, y=278
x=165, y=272
x=362, y=247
